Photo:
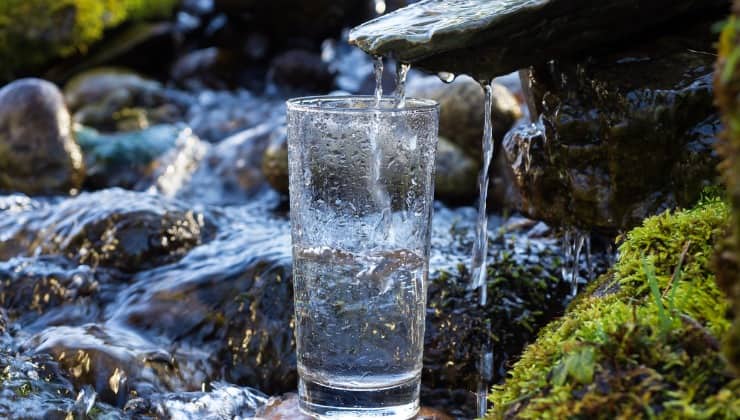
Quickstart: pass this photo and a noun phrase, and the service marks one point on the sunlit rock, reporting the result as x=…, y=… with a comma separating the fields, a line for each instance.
x=38, y=152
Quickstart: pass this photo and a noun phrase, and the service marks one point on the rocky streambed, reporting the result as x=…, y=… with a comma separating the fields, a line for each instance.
x=145, y=261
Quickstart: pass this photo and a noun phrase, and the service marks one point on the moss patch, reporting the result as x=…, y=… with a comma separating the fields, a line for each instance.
x=727, y=89
x=32, y=32
x=642, y=341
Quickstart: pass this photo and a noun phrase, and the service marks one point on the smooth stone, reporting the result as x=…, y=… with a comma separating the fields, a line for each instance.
x=456, y=174
x=620, y=136
x=489, y=38
x=118, y=99
x=462, y=112
x=38, y=152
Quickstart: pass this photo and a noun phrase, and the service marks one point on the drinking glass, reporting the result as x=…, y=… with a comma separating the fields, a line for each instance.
x=361, y=190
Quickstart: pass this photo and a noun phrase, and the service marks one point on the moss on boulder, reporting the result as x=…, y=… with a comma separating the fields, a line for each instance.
x=643, y=340
x=32, y=32
x=727, y=88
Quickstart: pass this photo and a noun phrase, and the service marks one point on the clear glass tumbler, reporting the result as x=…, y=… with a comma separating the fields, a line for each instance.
x=361, y=191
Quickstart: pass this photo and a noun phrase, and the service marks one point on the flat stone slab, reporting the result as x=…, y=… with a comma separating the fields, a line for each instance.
x=488, y=38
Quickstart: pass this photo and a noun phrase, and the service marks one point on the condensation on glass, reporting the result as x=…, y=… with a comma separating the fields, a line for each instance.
x=361, y=197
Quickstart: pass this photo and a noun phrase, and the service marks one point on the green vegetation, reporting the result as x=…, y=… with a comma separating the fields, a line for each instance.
x=643, y=340
x=727, y=89
x=32, y=32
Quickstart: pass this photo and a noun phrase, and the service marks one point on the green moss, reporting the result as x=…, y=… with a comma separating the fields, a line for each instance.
x=727, y=89
x=642, y=341
x=32, y=32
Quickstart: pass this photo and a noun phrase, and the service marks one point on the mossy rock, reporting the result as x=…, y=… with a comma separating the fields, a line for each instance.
x=727, y=88
x=33, y=32
x=643, y=341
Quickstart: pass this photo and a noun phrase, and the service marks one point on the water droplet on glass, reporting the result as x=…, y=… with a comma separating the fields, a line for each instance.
x=446, y=76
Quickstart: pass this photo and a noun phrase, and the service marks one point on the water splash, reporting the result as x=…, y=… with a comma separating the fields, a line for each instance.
x=574, y=241
x=402, y=71
x=480, y=246
x=378, y=71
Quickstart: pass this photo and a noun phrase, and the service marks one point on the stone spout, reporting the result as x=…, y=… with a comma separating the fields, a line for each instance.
x=489, y=38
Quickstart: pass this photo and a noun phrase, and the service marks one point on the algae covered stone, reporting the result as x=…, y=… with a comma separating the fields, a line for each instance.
x=32, y=32
x=643, y=341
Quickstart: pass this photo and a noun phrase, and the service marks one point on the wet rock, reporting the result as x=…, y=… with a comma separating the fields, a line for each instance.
x=117, y=363
x=32, y=286
x=525, y=290
x=620, y=136
x=231, y=299
x=32, y=385
x=38, y=153
x=125, y=159
x=117, y=99
x=275, y=161
x=301, y=71
x=111, y=228
x=475, y=36
x=223, y=401
x=455, y=174
x=461, y=109
x=232, y=171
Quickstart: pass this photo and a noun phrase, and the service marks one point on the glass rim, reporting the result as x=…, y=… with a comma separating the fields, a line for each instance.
x=314, y=104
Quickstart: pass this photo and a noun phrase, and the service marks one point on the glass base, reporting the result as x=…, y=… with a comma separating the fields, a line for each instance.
x=324, y=402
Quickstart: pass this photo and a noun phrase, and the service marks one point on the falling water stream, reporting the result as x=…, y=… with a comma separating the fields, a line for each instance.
x=480, y=250
x=402, y=71
x=480, y=247
x=378, y=71
x=574, y=242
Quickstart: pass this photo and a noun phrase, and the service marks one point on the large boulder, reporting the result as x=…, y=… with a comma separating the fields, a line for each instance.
x=117, y=99
x=642, y=341
x=620, y=136
x=38, y=153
